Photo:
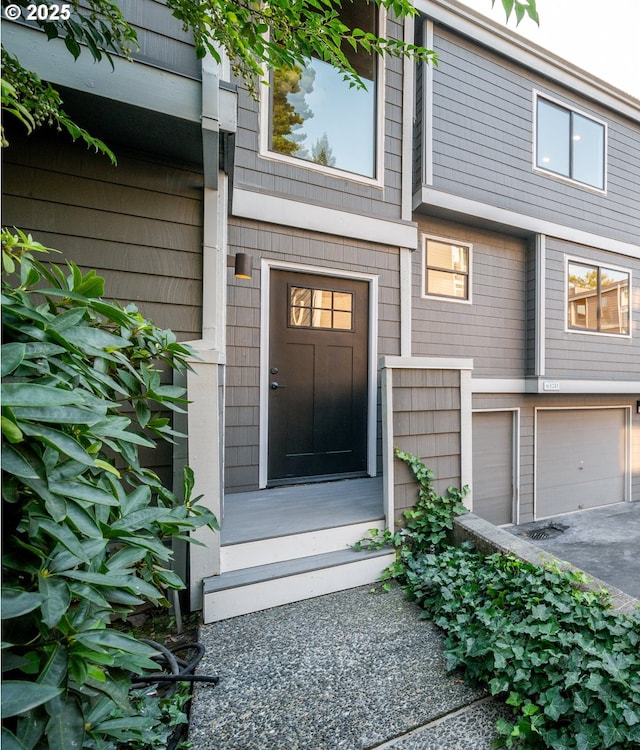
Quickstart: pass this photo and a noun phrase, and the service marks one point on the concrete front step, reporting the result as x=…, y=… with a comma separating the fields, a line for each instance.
x=240, y=592
x=260, y=552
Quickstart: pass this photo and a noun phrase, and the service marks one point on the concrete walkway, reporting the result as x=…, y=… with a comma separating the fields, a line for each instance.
x=358, y=670
x=346, y=671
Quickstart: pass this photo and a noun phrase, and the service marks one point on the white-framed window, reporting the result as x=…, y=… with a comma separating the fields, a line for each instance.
x=311, y=117
x=446, y=269
x=598, y=298
x=569, y=143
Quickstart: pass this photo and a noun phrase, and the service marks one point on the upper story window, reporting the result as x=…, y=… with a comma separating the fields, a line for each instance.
x=597, y=298
x=446, y=269
x=315, y=116
x=570, y=144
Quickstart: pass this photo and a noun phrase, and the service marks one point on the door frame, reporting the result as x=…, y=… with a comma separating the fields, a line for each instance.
x=266, y=266
x=515, y=455
x=627, y=446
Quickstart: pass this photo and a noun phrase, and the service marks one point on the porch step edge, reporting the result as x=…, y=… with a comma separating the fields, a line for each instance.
x=293, y=546
x=272, y=571
x=329, y=573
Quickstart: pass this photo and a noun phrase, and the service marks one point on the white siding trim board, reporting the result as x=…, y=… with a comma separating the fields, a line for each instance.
x=274, y=209
x=549, y=385
x=541, y=305
x=265, y=275
x=133, y=82
x=427, y=113
x=512, y=219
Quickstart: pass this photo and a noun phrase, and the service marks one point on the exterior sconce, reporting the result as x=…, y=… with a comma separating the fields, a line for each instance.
x=241, y=264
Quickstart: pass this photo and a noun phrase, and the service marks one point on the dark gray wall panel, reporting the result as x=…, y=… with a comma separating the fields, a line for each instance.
x=138, y=224
x=162, y=40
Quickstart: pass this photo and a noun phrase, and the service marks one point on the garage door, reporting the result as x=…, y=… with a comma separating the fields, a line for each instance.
x=580, y=459
x=493, y=466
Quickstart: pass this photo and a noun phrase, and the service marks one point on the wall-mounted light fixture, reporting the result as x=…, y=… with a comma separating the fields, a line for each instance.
x=241, y=264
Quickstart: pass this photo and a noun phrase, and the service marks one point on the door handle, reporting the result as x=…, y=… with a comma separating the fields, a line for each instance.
x=274, y=386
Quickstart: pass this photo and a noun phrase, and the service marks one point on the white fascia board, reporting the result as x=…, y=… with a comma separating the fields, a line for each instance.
x=490, y=34
x=425, y=363
x=130, y=82
x=440, y=199
x=559, y=386
x=291, y=213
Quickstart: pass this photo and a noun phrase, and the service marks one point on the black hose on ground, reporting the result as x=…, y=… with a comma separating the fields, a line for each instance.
x=176, y=669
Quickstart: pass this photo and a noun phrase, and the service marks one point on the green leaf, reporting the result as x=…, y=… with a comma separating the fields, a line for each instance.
x=19, y=696
x=16, y=603
x=10, y=741
x=80, y=490
x=71, y=415
x=11, y=431
x=15, y=463
x=55, y=670
x=12, y=356
x=94, y=338
x=65, y=729
x=30, y=394
x=60, y=441
x=57, y=599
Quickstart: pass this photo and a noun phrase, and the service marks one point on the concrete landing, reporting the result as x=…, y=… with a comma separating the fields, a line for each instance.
x=604, y=542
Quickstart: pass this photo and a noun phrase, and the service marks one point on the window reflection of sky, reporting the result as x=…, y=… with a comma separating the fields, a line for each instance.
x=346, y=115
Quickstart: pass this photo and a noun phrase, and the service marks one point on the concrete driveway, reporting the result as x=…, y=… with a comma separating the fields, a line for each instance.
x=604, y=542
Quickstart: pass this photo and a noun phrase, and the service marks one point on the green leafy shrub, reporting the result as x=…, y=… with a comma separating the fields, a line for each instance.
x=86, y=527
x=425, y=527
x=566, y=663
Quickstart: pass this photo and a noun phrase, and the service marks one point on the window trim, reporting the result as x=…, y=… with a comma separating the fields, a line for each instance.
x=423, y=282
x=601, y=265
x=264, y=151
x=556, y=175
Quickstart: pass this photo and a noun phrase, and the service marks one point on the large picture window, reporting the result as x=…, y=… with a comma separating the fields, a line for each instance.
x=317, y=117
x=597, y=298
x=570, y=144
x=446, y=269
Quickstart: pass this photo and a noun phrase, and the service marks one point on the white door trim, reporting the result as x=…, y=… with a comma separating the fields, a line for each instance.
x=266, y=266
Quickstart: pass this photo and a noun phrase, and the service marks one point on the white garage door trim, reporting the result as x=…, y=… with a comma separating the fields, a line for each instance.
x=515, y=412
x=627, y=446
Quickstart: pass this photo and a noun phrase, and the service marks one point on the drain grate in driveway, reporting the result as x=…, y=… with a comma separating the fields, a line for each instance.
x=547, y=532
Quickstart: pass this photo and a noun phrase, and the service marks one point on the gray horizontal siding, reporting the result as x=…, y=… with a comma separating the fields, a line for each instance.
x=163, y=42
x=138, y=224
x=284, y=244
x=493, y=328
x=306, y=184
x=574, y=354
x=483, y=139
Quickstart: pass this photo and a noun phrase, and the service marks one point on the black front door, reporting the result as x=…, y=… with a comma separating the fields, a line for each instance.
x=318, y=382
